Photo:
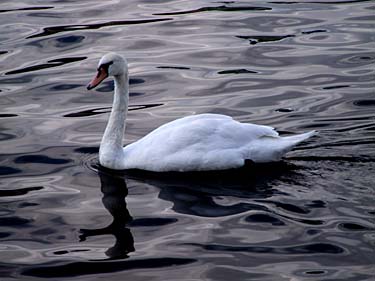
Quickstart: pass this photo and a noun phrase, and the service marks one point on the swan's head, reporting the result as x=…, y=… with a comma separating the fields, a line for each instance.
x=109, y=65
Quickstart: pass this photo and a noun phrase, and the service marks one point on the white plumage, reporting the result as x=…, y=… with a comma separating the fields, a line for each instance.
x=195, y=143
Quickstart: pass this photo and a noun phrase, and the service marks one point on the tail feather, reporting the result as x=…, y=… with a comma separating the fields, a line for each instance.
x=270, y=149
x=296, y=139
x=286, y=144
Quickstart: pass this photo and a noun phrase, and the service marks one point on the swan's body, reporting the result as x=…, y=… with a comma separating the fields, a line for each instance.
x=195, y=143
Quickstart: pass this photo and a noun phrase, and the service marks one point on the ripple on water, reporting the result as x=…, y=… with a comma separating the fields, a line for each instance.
x=84, y=268
x=49, y=64
x=314, y=248
x=293, y=65
x=58, y=29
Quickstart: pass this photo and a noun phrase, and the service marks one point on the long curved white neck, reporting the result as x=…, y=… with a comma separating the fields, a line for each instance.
x=111, y=144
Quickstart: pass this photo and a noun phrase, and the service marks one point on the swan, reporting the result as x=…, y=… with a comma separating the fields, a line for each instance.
x=200, y=142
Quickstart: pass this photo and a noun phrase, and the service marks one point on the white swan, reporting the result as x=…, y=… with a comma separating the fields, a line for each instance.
x=195, y=143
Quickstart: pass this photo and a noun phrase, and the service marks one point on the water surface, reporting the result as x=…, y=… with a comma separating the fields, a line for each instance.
x=293, y=65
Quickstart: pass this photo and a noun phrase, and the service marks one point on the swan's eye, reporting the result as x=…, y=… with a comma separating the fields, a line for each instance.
x=105, y=65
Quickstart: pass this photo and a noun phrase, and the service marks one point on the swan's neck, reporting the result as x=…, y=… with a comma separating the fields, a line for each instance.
x=111, y=145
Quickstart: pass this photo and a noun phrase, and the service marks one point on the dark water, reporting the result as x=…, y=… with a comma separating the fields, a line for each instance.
x=294, y=65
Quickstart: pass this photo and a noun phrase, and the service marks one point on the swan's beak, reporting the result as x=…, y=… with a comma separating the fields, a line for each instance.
x=100, y=76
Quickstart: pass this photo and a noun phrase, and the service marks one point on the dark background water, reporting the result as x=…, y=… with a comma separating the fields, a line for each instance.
x=294, y=65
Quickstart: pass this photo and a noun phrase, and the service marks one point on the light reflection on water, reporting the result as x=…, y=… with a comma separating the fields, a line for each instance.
x=293, y=65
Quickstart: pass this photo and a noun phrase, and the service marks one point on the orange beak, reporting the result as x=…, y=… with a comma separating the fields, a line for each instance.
x=100, y=76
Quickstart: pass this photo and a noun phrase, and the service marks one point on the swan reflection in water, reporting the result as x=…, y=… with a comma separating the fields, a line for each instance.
x=195, y=194
x=114, y=191
x=199, y=193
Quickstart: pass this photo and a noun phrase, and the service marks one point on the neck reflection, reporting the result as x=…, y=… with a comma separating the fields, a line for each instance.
x=114, y=191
